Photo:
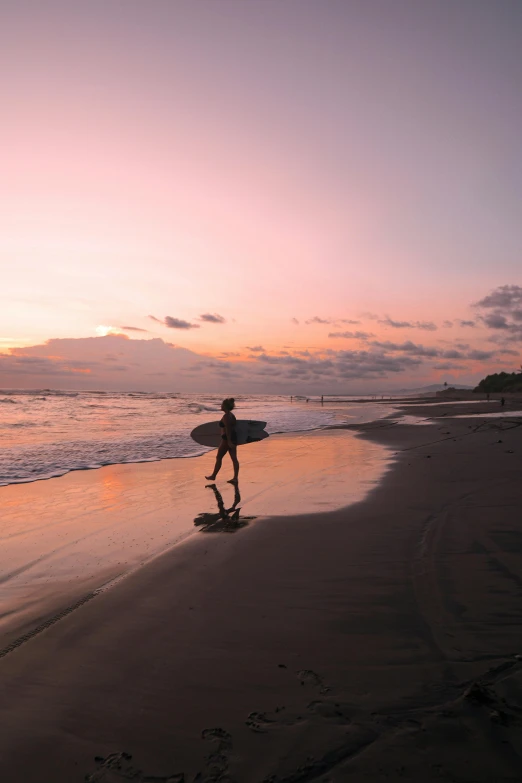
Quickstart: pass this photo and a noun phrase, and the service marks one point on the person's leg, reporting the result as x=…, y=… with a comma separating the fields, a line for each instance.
x=219, y=459
x=233, y=456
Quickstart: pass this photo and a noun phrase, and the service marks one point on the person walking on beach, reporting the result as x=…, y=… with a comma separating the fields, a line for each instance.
x=228, y=440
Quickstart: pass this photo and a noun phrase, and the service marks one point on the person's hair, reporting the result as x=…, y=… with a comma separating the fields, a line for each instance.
x=229, y=403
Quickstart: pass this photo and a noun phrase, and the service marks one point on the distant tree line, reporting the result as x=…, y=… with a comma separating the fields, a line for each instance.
x=501, y=382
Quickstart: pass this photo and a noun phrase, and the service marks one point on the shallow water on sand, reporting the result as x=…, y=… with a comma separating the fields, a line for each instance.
x=415, y=421
x=64, y=538
x=497, y=414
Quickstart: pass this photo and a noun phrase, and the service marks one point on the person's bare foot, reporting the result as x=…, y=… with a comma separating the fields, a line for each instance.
x=232, y=481
x=210, y=478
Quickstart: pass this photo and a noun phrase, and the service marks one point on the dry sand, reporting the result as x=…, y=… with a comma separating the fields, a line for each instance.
x=379, y=642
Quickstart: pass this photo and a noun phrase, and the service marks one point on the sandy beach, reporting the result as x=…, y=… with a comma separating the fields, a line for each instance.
x=378, y=641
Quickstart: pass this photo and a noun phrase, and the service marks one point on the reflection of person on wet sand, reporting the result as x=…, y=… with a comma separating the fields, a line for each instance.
x=226, y=519
x=228, y=440
x=226, y=512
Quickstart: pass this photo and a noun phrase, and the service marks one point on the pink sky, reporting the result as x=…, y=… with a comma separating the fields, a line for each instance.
x=269, y=163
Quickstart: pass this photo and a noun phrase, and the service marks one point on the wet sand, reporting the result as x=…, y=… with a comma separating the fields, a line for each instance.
x=63, y=539
x=378, y=642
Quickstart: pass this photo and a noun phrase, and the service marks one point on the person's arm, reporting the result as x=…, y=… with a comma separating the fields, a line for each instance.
x=229, y=428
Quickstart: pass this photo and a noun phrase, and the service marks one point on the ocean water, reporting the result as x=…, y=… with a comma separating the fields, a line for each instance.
x=48, y=433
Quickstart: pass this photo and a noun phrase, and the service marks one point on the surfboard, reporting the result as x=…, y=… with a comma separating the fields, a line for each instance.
x=248, y=431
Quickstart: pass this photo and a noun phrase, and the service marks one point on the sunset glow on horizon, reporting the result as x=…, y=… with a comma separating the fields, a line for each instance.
x=318, y=196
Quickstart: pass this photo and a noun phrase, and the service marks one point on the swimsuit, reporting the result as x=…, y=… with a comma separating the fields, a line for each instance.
x=234, y=434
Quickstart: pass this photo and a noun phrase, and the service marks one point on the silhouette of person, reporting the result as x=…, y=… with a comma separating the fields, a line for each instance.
x=228, y=440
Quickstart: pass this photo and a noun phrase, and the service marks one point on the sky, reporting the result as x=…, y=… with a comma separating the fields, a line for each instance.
x=259, y=195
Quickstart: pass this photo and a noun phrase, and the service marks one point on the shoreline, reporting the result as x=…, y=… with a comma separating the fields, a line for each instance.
x=396, y=404
x=67, y=471
x=376, y=642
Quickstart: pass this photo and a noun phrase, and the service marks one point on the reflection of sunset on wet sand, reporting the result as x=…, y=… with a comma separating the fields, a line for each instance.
x=111, y=488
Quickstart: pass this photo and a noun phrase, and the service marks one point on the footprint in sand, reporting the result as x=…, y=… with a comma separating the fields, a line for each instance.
x=217, y=763
x=309, y=677
x=262, y=722
x=117, y=767
x=331, y=711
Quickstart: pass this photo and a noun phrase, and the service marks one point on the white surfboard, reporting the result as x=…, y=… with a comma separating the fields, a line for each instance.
x=247, y=430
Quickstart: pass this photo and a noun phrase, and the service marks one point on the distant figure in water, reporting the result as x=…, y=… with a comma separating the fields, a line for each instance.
x=228, y=440
x=322, y=399
x=502, y=402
